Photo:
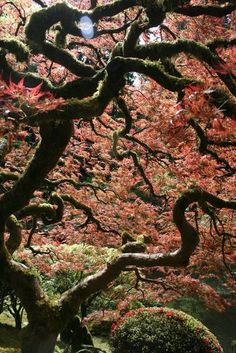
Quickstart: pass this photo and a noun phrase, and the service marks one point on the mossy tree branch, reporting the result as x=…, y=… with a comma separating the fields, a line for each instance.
x=87, y=107
x=210, y=10
x=15, y=237
x=154, y=70
x=178, y=258
x=221, y=43
x=16, y=47
x=37, y=210
x=95, y=105
x=165, y=50
x=80, y=88
x=4, y=149
x=69, y=17
x=6, y=176
x=54, y=138
x=62, y=57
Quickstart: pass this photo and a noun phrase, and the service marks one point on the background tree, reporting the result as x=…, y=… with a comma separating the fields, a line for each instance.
x=10, y=303
x=119, y=117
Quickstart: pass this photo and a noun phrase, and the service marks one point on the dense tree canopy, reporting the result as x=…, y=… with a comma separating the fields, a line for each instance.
x=118, y=131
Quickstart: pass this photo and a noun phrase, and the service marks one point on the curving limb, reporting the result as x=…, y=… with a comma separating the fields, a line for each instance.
x=15, y=236
x=54, y=135
x=203, y=53
x=16, y=47
x=179, y=258
x=210, y=10
x=27, y=287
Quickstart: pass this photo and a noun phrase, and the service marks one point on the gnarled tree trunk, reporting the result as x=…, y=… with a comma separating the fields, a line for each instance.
x=37, y=339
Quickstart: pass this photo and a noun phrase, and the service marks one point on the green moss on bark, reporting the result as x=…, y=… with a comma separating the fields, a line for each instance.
x=16, y=47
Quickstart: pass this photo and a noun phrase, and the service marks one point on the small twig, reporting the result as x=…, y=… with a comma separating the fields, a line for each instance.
x=32, y=231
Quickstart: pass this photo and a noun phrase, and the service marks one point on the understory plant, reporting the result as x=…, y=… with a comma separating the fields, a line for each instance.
x=162, y=330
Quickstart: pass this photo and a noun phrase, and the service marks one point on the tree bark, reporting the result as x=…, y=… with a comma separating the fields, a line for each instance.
x=38, y=340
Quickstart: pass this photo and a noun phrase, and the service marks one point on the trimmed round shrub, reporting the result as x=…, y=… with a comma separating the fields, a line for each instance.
x=162, y=330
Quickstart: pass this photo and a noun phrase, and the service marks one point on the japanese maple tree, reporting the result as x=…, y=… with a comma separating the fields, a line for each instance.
x=117, y=130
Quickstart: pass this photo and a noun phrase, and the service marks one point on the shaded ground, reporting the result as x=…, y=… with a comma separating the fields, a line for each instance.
x=223, y=325
x=10, y=340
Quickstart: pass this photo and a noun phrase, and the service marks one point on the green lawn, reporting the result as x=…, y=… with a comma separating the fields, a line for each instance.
x=101, y=342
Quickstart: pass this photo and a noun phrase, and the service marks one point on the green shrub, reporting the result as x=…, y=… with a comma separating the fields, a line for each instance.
x=162, y=330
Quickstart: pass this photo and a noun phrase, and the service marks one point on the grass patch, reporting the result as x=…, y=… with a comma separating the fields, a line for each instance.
x=102, y=343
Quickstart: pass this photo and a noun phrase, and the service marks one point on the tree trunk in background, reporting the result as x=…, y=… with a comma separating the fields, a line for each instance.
x=18, y=321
